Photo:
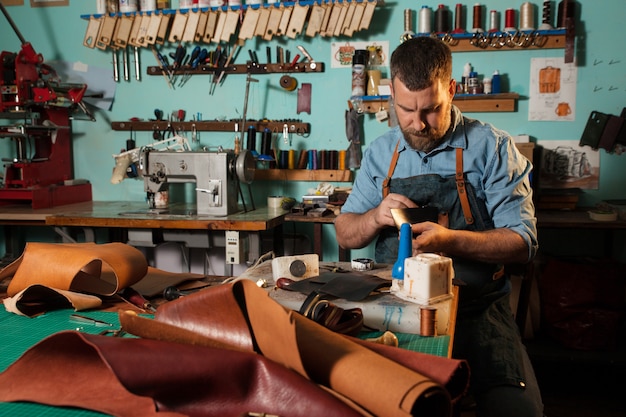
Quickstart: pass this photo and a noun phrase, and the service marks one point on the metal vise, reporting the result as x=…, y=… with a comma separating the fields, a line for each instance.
x=216, y=174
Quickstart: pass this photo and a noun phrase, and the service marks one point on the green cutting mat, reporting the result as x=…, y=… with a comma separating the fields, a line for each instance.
x=19, y=333
x=434, y=345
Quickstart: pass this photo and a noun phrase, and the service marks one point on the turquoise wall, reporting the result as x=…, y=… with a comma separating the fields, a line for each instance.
x=57, y=33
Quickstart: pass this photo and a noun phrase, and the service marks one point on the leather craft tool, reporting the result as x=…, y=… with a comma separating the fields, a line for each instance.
x=312, y=63
x=304, y=98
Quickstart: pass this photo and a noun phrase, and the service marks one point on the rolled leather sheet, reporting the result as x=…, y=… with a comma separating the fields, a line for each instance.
x=250, y=318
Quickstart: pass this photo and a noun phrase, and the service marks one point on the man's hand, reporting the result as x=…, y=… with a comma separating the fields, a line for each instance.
x=494, y=246
x=358, y=230
x=430, y=237
x=382, y=213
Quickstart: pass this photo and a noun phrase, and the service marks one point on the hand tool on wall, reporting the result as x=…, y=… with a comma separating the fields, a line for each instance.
x=137, y=64
x=116, y=71
x=312, y=63
x=230, y=59
x=163, y=65
x=125, y=64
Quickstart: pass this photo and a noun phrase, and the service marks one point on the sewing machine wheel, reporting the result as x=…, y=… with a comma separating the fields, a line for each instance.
x=245, y=166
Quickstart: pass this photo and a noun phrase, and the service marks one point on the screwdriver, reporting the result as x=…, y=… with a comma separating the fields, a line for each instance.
x=191, y=63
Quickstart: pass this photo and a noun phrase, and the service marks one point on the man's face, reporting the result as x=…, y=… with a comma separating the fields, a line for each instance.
x=424, y=116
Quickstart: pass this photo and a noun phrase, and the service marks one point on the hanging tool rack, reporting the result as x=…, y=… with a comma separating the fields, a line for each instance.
x=294, y=126
x=249, y=68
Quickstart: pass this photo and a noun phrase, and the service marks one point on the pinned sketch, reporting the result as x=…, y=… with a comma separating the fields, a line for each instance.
x=552, y=90
x=341, y=53
x=565, y=164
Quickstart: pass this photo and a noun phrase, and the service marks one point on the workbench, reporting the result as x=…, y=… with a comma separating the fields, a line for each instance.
x=20, y=332
x=179, y=223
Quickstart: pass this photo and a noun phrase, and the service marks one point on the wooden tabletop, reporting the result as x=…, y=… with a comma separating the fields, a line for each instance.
x=137, y=215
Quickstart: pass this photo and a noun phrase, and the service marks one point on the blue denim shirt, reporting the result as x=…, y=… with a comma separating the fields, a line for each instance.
x=492, y=163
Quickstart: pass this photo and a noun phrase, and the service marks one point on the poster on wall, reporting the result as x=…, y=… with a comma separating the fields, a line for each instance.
x=12, y=2
x=566, y=164
x=49, y=3
x=552, y=90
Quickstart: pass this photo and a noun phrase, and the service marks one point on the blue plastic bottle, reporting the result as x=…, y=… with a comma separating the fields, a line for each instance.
x=495, y=83
x=405, y=249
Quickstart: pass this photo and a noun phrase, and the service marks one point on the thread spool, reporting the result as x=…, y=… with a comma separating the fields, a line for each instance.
x=477, y=22
x=425, y=20
x=546, y=16
x=313, y=159
x=442, y=19
x=251, y=139
x=408, y=25
x=323, y=159
x=332, y=159
x=128, y=6
x=288, y=83
x=283, y=161
x=458, y=19
x=147, y=5
x=302, y=159
x=274, y=202
x=408, y=20
x=291, y=159
x=494, y=21
x=428, y=321
x=527, y=16
x=566, y=9
x=509, y=20
x=341, y=163
x=266, y=142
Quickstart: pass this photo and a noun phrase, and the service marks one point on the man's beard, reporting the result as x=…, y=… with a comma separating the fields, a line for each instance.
x=427, y=139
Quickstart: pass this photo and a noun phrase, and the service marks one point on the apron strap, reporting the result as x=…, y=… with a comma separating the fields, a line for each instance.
x=460, y=186
x=460, y=182
x=392, y=167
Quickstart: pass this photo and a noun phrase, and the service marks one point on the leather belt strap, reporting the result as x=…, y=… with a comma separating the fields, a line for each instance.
x=460, y=187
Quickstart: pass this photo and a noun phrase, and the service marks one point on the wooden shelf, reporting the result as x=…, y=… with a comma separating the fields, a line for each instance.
x=504, y=41
x=212, y=125
x=303, y=175
x=504, y=102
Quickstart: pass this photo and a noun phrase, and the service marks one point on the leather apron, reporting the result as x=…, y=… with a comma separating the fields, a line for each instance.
x=455, y=200
x=485, y=325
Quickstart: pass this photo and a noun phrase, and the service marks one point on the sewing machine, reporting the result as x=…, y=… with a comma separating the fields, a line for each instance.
x=217, y=176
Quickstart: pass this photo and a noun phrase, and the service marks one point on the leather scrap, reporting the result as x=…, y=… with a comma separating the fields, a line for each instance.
x=78, y=272
x=352, y=286
x=37, y=299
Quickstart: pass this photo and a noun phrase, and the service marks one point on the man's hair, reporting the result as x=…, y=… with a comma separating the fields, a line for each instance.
x=420, y=61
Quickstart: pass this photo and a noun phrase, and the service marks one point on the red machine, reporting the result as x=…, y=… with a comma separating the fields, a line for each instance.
x=38, y=109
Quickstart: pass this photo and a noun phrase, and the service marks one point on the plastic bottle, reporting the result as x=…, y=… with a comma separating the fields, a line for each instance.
x=359, y=62
x=467, y=68
x=472, y=83
x=405, y=249
x=495, y=82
